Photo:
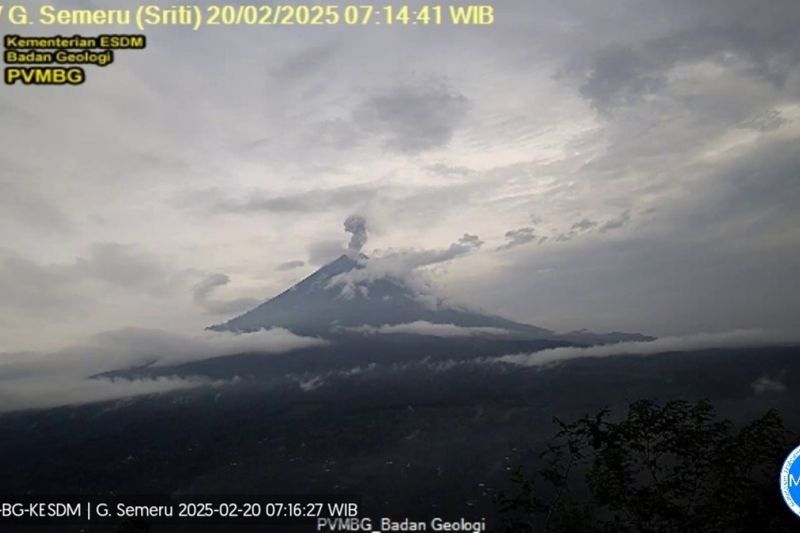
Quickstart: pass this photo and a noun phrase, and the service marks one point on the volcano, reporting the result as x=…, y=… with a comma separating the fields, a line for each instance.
x=329, y=302
x=341, y=297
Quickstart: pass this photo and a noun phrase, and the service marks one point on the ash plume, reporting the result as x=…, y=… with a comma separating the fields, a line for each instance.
x=357, y=225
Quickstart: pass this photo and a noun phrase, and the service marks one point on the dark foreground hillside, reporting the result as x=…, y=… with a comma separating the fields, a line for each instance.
x=415, y=439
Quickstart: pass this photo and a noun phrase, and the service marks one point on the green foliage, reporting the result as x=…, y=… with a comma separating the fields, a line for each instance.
x=667, y=468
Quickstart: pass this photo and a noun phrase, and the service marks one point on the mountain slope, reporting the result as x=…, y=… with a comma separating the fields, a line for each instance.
x=319, y=306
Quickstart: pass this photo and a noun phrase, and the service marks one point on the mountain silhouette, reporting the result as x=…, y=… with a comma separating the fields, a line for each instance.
x=321, y=305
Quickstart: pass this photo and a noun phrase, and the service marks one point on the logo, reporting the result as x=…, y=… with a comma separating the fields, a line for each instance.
x=790, y=481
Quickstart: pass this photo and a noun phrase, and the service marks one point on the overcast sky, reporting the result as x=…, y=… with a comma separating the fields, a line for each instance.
x=626, y=165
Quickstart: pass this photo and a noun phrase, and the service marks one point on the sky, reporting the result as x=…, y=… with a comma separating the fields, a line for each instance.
x=618, y=165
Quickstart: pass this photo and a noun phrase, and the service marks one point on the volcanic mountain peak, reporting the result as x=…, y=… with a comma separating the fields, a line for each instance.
x=326, y=302
x=321, y=279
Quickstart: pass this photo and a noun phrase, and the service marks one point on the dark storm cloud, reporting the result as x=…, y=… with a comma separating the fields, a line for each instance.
x=619, y=76
x=414, y=118
x=202, y=295
x=765, y=41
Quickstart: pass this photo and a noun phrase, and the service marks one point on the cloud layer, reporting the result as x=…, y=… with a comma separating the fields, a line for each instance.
x=627, y=165
x=732, y=339
x=421, y=327
x=35, y=380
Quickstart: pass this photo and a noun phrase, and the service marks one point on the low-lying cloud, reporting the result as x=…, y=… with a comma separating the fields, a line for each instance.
x=422, y=327
x=31, y=380
x=50, y=390
x=767, y=384
x=732, y=339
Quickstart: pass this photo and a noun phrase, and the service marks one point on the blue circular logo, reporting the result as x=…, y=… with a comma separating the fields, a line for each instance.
x=790, y=481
